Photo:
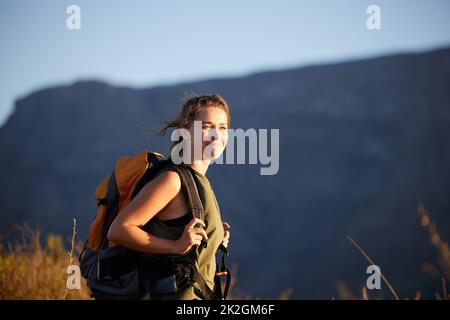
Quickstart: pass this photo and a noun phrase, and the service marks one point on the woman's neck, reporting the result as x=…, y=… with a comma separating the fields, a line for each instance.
x=200, y=166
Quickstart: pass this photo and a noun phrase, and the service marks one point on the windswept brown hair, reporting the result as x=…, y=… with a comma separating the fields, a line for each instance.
x=192, y=105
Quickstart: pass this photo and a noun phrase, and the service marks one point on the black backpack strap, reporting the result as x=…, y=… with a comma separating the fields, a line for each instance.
x=112, y=202
x=80, y=257
x=187, y=182
x=222, y=271
x=190, y=187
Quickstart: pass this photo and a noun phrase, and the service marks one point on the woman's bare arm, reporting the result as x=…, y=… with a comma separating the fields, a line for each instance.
x=154, y=196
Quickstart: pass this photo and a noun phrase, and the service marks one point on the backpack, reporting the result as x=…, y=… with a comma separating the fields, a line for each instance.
x=112, y=269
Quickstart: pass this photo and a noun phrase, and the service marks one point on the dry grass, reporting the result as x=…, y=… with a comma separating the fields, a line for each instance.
x=31, y=271
x=443, y=260
x=442, y=270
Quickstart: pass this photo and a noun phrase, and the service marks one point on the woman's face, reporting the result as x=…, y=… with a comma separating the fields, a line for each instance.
x=214, y=134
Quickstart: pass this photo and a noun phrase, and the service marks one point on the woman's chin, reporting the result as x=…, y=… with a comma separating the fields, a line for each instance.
x=213, y=155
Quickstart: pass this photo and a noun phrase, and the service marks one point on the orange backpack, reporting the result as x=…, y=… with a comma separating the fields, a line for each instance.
x=128, y=172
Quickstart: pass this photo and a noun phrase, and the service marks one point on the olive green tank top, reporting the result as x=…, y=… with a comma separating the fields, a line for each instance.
x=206, y=257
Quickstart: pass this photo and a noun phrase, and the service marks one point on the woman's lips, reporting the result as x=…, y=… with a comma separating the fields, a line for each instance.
x=215, y=144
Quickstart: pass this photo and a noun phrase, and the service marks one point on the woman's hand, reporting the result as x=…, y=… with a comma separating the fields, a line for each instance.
x=192, y=236
x=226, y=235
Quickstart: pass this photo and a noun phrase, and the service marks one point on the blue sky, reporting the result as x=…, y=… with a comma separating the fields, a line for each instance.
x=144, y=43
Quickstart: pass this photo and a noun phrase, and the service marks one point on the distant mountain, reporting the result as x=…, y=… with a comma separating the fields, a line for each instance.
x=361, y=144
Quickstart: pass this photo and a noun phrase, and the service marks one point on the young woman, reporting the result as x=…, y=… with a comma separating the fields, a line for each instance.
x=158, y=221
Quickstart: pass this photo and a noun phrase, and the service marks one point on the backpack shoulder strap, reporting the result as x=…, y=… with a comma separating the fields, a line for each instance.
x=190, y=187
x=187, y=182
x=112, y=199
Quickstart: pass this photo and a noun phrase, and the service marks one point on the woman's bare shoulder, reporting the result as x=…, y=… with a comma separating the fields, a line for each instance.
x=168, y=180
